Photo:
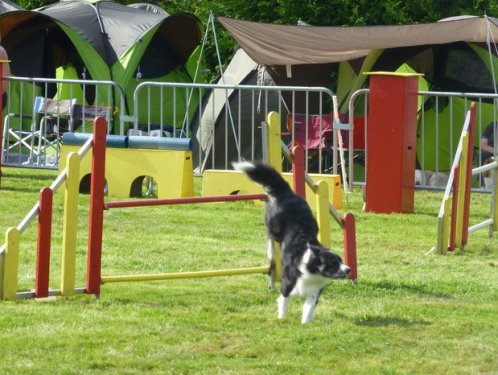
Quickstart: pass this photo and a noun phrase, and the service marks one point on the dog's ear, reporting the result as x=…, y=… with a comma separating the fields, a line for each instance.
x=329, y=257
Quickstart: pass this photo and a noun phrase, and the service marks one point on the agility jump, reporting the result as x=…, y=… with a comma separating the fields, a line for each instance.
x=94, y=272
x=9, y=252
x=453, y=217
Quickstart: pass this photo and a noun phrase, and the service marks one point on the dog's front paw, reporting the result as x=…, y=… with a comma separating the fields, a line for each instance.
x=309, y=310
x=307, y=319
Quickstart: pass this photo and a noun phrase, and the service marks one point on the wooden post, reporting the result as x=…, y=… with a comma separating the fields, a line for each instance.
x=350, y=244
x=298, y=172
x=70, y=226
x=274, y=137
x=96, y=221
x=468, y=175
x=11, y=264
x=43, y=243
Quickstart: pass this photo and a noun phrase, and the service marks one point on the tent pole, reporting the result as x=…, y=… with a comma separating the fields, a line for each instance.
x=489, y=35
x=211, y=21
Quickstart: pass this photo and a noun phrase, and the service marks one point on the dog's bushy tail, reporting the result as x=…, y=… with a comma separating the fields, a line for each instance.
x=264, y=175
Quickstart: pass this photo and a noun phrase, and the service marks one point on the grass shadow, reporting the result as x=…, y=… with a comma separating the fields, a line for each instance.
x=384, y=321
x=418, y=289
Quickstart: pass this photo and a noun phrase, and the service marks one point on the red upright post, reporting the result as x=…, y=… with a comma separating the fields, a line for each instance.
x=96, y=221
x=391, y=143
x=468, y=171
x=1, y=118
x=348, y=222
x=298, y=179
x=43, y=243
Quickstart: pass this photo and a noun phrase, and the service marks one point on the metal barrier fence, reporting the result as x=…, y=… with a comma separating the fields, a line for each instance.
x=440, y=119
x=225, y=123
x=39, y=110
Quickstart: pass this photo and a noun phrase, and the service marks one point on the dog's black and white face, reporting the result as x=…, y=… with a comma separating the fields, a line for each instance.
x=321, y=261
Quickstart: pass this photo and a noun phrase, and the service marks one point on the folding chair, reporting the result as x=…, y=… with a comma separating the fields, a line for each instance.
x=83, y=113
x=15, y=139
x=34, y=142
x=56, y=118
x=314, y=133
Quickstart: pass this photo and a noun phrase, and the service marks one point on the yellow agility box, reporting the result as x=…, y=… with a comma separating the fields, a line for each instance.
x=129, y=159
x=221, y=182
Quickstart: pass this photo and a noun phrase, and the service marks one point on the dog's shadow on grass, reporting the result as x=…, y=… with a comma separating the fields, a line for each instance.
x=421, y=289
x=385, y=288
x=384, y=321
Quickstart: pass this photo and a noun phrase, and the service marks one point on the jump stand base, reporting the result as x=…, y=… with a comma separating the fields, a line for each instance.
x=126, y=167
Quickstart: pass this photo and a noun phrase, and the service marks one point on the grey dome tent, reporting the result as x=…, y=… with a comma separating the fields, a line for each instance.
x=8, y=6
x=218, y=132
x=103, y=40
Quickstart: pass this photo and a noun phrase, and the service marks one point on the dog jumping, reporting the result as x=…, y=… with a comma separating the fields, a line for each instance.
x=307, y=266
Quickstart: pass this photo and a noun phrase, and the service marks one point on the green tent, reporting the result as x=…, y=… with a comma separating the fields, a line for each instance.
x=101, y=40
x=463, y=67
x=453, y=55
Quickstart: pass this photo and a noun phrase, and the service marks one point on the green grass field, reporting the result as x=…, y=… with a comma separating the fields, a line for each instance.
x=409, y=313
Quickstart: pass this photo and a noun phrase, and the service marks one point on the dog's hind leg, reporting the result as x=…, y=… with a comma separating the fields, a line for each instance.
x=283, y=306
x=272, y=253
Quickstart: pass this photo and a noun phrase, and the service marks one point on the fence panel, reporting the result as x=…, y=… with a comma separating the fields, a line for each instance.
x=39, y=110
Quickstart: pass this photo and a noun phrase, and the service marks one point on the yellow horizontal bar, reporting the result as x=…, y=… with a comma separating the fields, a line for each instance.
x=184, y=275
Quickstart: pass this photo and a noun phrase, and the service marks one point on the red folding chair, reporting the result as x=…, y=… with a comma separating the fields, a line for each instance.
x=314, y=134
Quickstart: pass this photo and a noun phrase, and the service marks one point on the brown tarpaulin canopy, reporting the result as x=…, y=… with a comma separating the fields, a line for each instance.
x=270, y=44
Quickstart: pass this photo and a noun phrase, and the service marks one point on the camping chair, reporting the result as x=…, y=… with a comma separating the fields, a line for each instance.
x=42, y=136
x=85, y=113
x=314, y=133
x=60, y=116
x=56, y=118
x=42, y=140
x=15, y=139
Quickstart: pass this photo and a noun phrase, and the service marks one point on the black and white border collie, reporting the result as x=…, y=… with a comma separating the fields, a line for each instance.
x=306, y=265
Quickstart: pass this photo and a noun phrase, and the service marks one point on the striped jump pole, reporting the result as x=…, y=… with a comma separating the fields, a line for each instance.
x=453, y=217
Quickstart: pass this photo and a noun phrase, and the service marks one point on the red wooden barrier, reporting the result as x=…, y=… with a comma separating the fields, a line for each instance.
x=43, y=243
x=96, y=220
x=298, y=173
x=186, y=200
x=1, y=118
x=349, y=226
